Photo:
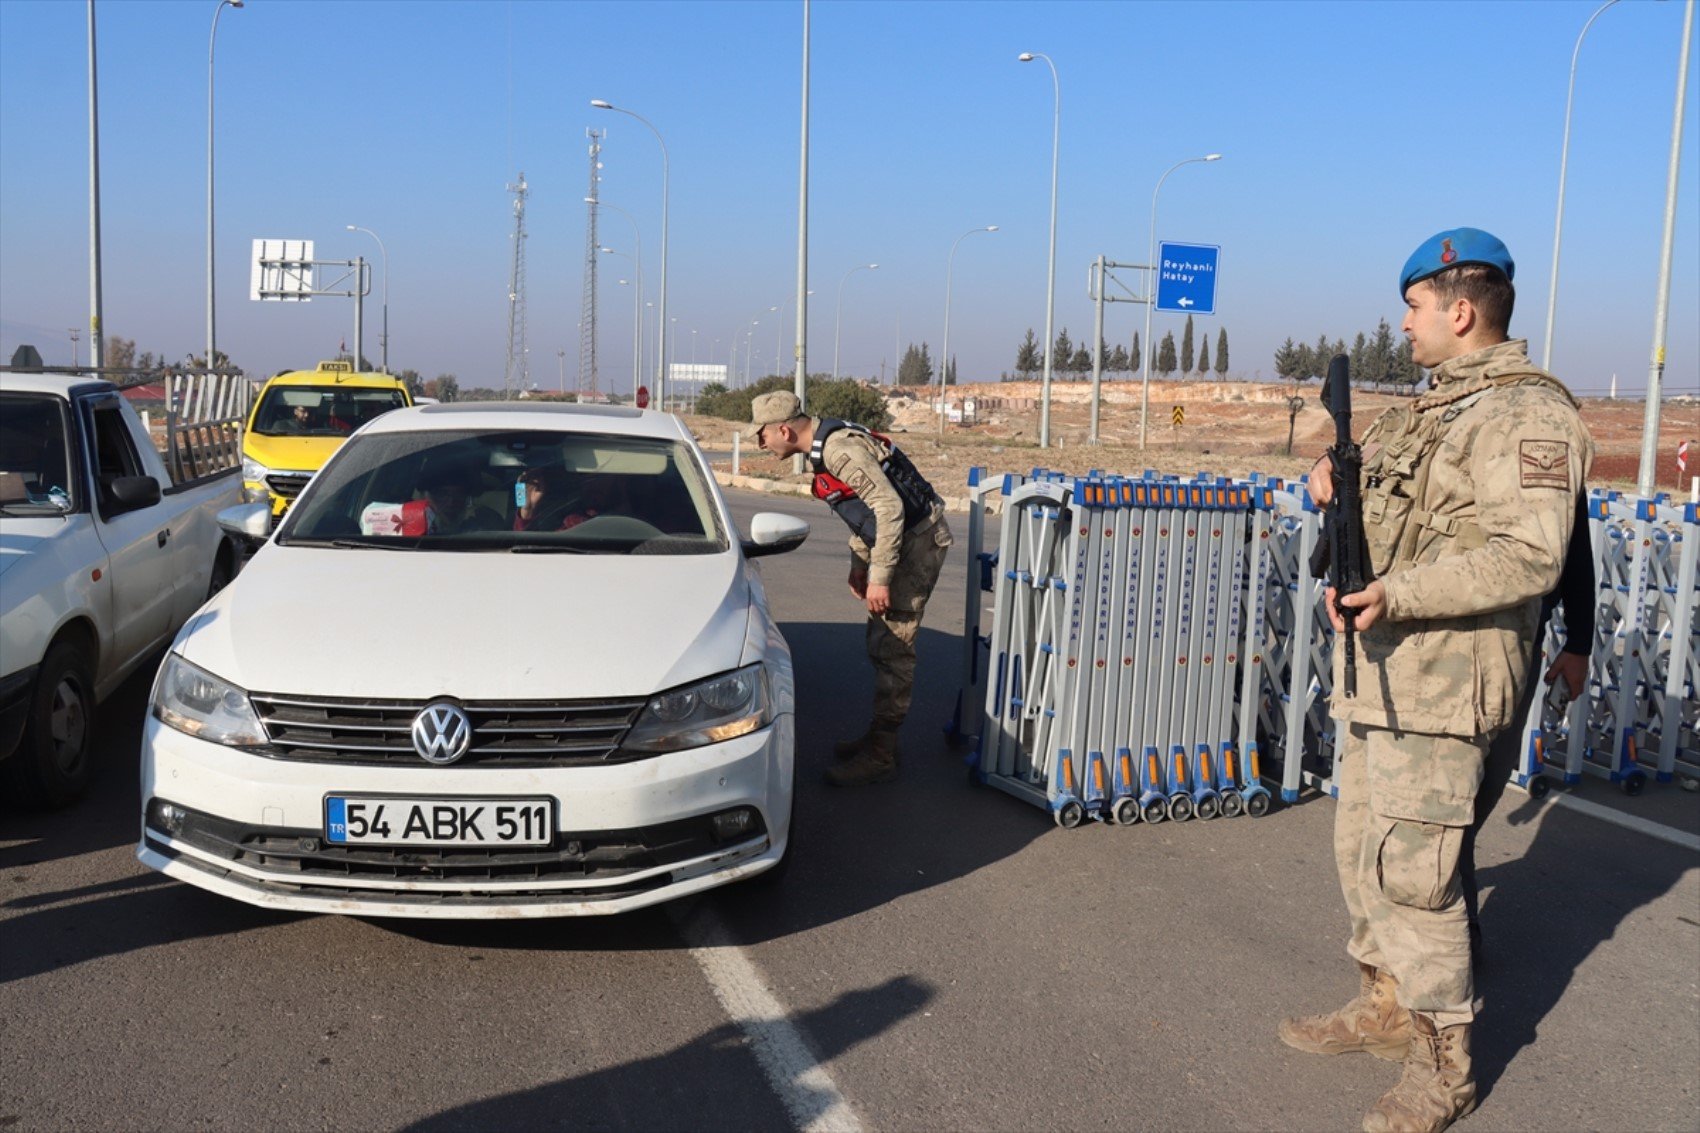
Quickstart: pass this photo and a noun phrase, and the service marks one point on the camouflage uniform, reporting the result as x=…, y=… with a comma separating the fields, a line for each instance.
x=1468, y=505
x=908, y=561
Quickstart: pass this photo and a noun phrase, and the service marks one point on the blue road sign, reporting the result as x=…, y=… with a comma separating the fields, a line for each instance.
x=1186, y=278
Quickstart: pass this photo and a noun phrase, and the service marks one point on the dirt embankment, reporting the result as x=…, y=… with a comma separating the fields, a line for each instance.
x=1228, y=428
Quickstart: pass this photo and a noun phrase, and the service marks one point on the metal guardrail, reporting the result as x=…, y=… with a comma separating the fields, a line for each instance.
x=1065, y=568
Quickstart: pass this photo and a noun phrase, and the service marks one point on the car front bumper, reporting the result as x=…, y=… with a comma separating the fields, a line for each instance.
x=627, y=835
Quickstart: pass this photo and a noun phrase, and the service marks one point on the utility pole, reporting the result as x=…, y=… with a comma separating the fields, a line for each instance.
x=518, y=364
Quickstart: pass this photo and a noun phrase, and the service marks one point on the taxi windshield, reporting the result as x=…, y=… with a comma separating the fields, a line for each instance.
x=536, y=491
x=320, y=411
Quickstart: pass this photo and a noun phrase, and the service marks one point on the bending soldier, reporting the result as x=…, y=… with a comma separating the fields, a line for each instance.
x=898, y=543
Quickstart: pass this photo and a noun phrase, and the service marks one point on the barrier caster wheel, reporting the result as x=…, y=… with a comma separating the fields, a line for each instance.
x=1208, y=807
x=1070, y=815
x=1257, y=806
x=1538, y=787
x=1180, y=808
x=1232, y=805
x=1125, y=812
x=1633, y=783
x=1155, y=811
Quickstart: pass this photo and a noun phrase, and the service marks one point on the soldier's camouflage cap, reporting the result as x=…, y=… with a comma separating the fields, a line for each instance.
x=1453, y=247
x=771, y=409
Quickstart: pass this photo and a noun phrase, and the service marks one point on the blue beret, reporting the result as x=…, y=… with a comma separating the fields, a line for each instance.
x=1453, y=247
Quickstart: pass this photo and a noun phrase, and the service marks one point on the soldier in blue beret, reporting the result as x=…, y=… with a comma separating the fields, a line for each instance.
x=1468, y=503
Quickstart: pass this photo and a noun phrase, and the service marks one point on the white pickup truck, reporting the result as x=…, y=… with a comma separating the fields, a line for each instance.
x=104, y=554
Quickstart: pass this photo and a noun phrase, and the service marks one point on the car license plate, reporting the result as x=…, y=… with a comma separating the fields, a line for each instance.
x=352, y=820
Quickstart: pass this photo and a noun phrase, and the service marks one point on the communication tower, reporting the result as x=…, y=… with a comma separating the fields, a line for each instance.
x=587, y=377
x=519, y=362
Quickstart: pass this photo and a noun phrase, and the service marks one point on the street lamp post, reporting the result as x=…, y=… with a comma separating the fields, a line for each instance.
x=637, y=317
x=838, y=321
x=944, y=357
x=1563, y=162
x=384, y=338
x=212, y=40
x=1051, y=270
x=1151, y=293
x=661, y=360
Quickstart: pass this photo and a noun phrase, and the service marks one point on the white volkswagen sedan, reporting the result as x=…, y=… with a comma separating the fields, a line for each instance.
x=498, y=661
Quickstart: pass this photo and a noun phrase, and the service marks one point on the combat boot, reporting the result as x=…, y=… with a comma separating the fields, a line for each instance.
x=876, y=763
x=1373, y=1021
x=1438, y=1085
x=849, y=749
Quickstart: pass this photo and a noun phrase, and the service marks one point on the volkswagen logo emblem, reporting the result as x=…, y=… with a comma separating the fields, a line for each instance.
x=441, y=732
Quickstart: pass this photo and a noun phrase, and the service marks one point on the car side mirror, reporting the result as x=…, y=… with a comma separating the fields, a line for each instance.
x=131, y=493
x=252, y=523
x=773, y=534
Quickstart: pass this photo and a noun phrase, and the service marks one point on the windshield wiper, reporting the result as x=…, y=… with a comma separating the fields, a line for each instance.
x=550, y=549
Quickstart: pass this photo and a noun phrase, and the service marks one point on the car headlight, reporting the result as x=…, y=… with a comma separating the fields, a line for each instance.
x=254, y=470
x=707, y=712
x=192, y=700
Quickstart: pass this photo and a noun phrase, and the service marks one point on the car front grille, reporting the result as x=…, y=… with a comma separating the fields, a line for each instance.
x=504, y=734
x=287, y=484
x=303, y=858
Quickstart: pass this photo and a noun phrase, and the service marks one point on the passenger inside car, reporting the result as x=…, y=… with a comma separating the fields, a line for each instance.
x=449, y=488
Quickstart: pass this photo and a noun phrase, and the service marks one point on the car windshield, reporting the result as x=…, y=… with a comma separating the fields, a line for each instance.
x=35, y=469
x=518, y=491
x=320, y=411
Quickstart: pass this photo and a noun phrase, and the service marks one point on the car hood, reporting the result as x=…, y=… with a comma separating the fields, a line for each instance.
x=290, y=453
x=471, y=625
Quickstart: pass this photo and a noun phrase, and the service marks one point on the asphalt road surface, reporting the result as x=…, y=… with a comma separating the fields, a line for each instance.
x=940, y=957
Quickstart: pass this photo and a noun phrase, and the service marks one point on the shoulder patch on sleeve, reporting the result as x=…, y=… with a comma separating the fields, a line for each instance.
x=1546, y=464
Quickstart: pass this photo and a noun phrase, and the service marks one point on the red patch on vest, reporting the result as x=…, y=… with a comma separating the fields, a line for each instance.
x=1546, y=464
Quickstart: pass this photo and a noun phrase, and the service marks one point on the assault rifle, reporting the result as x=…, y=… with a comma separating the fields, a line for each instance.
x=1348, y=556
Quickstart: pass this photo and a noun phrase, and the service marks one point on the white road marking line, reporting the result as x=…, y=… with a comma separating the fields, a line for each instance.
x=804, y=1087
x=1630, y=821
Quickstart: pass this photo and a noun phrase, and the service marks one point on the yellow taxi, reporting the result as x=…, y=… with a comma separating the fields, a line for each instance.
x=301, y=417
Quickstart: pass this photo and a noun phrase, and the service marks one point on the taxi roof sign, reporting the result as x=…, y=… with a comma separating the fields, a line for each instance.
x=337, y=367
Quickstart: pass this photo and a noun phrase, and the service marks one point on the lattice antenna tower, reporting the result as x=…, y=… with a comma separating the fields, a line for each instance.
x=519, y=360
x=587, y=376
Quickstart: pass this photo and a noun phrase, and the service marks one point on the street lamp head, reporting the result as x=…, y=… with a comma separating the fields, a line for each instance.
x=873, y=267
x=234, y=3
x=1212, y=157
x=590, y=200
x=601, y=104
x=991, y=228
x=1025, y=57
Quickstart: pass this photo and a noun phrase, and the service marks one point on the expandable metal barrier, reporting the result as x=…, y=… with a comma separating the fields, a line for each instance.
x=1155, y=642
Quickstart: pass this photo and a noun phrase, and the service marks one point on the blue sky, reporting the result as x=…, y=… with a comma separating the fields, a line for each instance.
x=1351, y=131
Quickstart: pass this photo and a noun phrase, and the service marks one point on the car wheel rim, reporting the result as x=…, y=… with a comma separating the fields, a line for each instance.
x=67, y=724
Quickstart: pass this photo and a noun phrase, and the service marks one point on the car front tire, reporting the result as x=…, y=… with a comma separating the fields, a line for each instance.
x=54, y=765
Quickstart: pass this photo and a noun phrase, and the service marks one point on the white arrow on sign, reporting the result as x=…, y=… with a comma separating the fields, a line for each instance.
x=1183, y=301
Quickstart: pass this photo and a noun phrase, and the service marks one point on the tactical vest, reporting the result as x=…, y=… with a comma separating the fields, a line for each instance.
x=1395, y=479
x=912, y=488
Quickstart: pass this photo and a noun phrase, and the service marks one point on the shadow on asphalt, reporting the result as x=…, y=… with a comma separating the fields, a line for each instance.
x=665, y=1091
x=1545, y=917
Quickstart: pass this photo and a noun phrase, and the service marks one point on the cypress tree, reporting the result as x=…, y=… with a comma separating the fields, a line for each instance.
x=1186, y=347
x=1166, y=354
x=1222, y=352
